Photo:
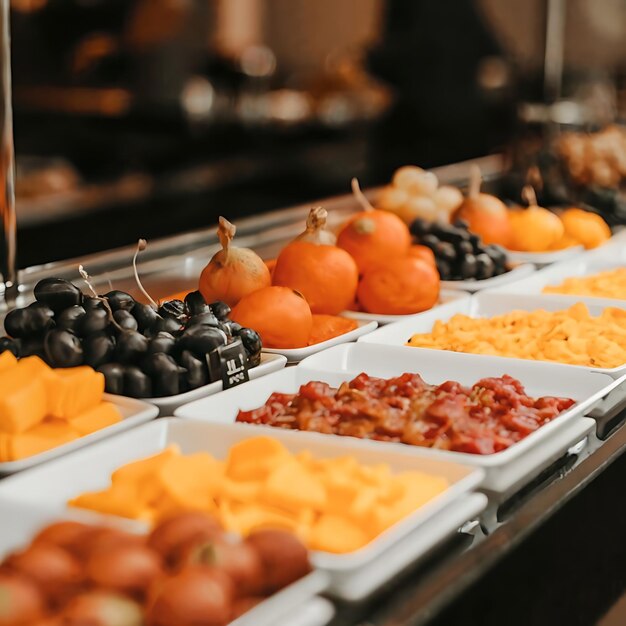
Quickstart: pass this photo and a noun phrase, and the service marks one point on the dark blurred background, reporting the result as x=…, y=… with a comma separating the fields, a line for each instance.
x=152, y=117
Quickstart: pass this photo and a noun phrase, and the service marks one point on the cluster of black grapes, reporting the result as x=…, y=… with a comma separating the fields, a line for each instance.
x=459, y=254
x=142, y=351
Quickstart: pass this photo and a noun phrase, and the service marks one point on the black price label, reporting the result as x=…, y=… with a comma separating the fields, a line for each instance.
x=230, y=363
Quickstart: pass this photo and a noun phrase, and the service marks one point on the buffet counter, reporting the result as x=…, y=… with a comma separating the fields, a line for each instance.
x=503, y=508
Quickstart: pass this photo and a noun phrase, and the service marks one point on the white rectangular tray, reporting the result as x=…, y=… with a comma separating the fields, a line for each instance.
x=87, y=470
x=584, y=265
x=483, y=304
x=545, y=258
x=134, y=412
x=294, y=355
x=512, y=276
x=504, y=471
x=167, y=405
x=21, y=521
x=446, y=296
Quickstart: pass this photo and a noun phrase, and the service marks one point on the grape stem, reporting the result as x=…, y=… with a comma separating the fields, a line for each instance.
x=360, y=196
x=85, y=276
x=142, y=244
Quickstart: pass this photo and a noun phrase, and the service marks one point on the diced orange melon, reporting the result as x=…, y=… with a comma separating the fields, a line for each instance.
x=102, y=415
x=23, y=398
x=119, y=499
x=291, y=486
x=191, y=480
x=148, y=467
x=254, y=459
x=73, y=391
x=7, y=360
x=334, y=533
x=44, y=436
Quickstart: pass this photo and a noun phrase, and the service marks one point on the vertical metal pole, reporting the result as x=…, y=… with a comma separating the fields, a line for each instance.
x=7, y=163
x=555, y=50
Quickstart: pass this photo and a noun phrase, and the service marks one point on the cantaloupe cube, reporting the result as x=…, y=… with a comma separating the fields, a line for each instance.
x=119, y=499
x=137, y=470
x=244, y=518
x=73, y=391
x=191, y=480
x=334, y=533
x=255, y=458
x=291, y=486
x=417, y=490
x=102, y=415
x=239, y=490
x=23, y=398
x=5, y=447
x=44, y=436
x=7, y=361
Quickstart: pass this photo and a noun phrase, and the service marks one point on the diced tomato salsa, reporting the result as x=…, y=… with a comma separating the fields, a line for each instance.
x=486, y=418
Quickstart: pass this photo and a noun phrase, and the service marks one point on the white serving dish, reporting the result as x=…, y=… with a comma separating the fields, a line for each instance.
x=483, y=304
x=134, y=412
x=315, y=612
x=21, y=521
x=167, y=405
x=294, y=355
x=512, y=276
x=87, y=470
x=544, y=258
x=585, y=265
x=504, y=471
x=446, y=297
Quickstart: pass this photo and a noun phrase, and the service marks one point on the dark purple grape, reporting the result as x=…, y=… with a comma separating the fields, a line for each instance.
x=469, y=267
x=35, y=319
x=444, y=269
x=70, y=318
x=98, y=349
x=57, y=293
x=165, y=374
x=146, y=316
x=94, y=321
x=62, y=348
x=162, y=342
x=497, y=254
x=420, y=227
x=125, y=319
x=197, y=370
x=251, y=340
x=484, y=266
x=464, y=247
x=444, y=250
x=430, y=241
x=220, y=309
x=196, y=304
x=208, y=319
x=168, y=325
x=120, y=300
x=136, y=383
x=90, y=303
x=202, y=339
x=174, y=309
x=131, y=347
x=113, y=377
